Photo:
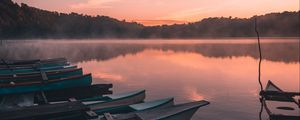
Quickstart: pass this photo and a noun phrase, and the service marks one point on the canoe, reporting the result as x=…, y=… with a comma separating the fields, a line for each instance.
x=76, y=110
x=25, y=87
x=155, y=104
x=140, y=107
x=177, y=112
x=36, y=61
x=30, y=70
x=38, y=76
x=280, y=105
x=81, y=92
x=44, y=97
x=45, y=111
x=107, y=101
x=37, y=65
x=114, y=100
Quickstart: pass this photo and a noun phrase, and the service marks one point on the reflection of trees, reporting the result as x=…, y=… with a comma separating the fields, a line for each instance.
x=79, y=52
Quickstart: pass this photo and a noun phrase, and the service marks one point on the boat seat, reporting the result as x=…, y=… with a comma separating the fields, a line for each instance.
x=91, y=114
x=72, y=99
x=108, y=116
x=44, y=76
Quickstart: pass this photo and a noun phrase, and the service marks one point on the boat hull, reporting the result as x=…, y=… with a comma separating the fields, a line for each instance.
x=38, y=76
x=76, y=81
x=16, y=71
x=137, y=107
x=123, y=101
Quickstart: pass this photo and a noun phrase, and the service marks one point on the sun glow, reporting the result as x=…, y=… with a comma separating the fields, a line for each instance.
x=158, y=12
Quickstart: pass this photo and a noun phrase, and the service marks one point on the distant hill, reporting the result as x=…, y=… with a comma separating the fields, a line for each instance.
x=23, y=21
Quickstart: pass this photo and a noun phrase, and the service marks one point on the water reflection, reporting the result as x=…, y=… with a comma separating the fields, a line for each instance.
x=79, y=51
x=224, y=74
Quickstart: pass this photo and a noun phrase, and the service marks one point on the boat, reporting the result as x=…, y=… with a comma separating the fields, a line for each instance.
x=81, y=92
x=114, y=100
x=30, y=62
x=146, y=106
x=280, y=105
x=77, y=110
x=48, y=111
x=177, y=112
x=25, y=87
x=46, y=96
x=38, y=76
x=37, y=65
x=30, y=70
x=107, y=101
x=162, y=103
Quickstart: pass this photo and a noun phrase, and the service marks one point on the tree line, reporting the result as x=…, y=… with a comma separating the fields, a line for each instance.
x=23, y=21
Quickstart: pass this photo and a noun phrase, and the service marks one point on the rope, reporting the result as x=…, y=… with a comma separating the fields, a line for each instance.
x=260, y=56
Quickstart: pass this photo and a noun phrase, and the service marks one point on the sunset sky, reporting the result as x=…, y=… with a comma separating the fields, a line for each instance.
x=157, y=12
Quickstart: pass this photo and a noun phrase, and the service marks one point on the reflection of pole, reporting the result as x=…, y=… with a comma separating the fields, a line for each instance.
x=260, y=56
x=261, y=108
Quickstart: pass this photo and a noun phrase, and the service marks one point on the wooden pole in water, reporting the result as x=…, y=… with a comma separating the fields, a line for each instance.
x=260, y=56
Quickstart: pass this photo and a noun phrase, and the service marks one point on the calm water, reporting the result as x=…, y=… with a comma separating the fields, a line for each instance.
x=223, y=72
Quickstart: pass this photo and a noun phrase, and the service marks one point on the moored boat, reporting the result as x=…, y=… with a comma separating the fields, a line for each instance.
x=38, y=65
x=177, y=112
x=25, y=87
x=30, y=70
x=114, y=100
x=162, y=103
x=280, y=105
x=30, y=62
x=38, y=76
x=43, y=112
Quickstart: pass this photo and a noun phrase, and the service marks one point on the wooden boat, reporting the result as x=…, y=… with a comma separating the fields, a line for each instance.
x=30, y=70
x=43, y=97
x=43, y=112
x=162, y=103
x=37, y=65
x=177, y=112
x=76, y=110
x=114, y=100
x=96, y=103
x=30, y=62
x=25, y=87
x=280, y=105
x=146, y=106
x=38, y=76
x=81, y=92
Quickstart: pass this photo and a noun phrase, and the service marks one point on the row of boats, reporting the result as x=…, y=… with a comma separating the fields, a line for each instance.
x=56, y=89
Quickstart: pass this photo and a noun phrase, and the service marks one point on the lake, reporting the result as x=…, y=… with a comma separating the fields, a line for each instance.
x=224, y=72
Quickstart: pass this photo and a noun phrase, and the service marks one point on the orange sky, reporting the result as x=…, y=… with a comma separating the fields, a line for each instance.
x=157, y=12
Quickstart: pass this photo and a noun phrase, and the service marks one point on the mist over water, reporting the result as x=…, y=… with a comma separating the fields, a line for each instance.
x=223, y=72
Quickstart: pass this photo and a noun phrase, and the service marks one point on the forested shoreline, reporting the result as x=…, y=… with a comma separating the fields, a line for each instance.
x=25, y=22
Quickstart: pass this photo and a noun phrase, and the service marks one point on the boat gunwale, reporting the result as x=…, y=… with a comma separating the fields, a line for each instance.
x=185, y=110
x=138, y=92
x=38, y=74
x=45, y=82
x=167, y=100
